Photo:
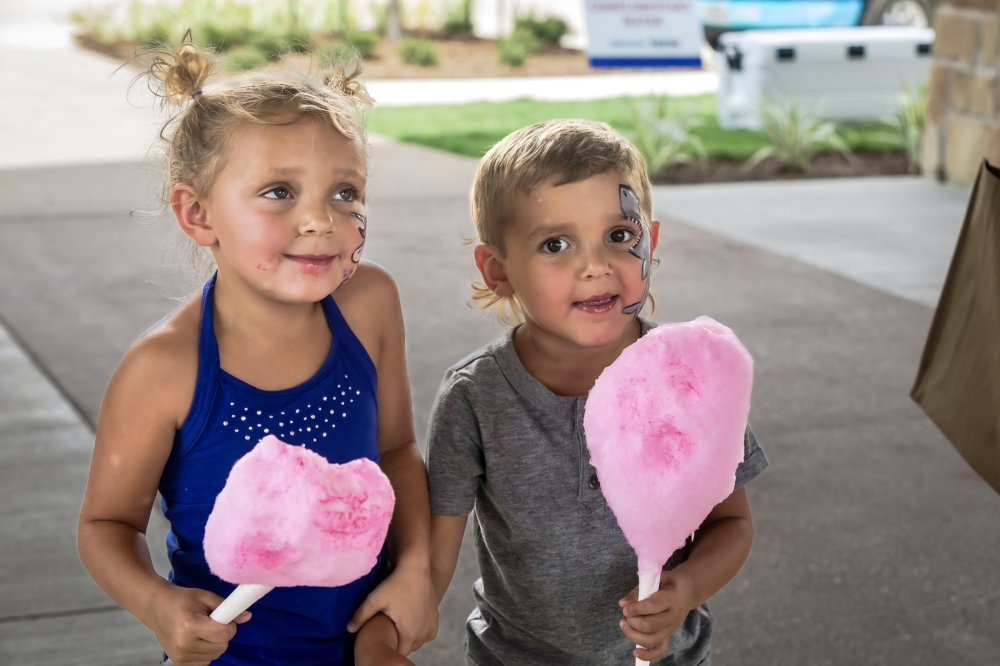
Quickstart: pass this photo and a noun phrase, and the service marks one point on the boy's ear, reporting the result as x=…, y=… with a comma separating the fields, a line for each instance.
x=654, y=235
x=191, y=214
x=490, y=265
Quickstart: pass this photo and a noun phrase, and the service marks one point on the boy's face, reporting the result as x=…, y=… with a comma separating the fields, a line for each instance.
x=568, y=260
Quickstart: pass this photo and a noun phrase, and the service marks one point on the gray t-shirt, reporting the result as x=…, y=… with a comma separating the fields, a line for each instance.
x=553, y=560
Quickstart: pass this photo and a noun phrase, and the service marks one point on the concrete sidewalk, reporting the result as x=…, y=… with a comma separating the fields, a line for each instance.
x=875, y=542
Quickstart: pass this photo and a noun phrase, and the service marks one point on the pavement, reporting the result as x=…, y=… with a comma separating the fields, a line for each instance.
x=875, y=543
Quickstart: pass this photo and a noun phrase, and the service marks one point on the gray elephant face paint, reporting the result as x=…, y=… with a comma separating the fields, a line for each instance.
x=641, y=249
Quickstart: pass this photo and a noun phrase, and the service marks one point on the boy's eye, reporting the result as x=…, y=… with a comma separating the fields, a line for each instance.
x=346, y=195
x=554, y=245
x=278, y=193
x=621, y=236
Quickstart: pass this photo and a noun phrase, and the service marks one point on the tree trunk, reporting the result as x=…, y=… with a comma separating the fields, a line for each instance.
x=394, y=27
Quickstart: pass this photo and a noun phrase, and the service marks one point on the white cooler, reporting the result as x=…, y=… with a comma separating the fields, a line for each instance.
x=835, y=73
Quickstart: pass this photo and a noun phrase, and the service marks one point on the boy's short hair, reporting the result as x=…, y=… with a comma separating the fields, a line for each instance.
x=556, y=152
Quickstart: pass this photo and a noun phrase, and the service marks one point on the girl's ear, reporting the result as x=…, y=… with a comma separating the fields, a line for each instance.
x=654, y=235
x=191, y=214
x=490, y=265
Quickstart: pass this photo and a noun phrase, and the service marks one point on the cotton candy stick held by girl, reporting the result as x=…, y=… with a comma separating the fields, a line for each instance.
x=287, y=517
x=665, y=425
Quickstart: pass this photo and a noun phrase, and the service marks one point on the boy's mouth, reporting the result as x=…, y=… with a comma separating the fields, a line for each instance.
x=597, y=304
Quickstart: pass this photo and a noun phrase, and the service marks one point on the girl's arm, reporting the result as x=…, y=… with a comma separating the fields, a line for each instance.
x=377, y=644
x=721, y=546
x=134, y=437
x=371, y=305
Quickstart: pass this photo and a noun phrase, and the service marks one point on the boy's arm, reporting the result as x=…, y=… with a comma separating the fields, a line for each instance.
x=446, y=542
x=721, y=546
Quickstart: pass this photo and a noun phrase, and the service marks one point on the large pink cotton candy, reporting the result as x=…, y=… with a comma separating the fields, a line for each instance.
x=665, y=425
x=288, y=517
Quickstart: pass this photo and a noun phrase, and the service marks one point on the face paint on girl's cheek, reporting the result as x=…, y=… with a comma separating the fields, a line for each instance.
x=362, y=224
x=632, y=211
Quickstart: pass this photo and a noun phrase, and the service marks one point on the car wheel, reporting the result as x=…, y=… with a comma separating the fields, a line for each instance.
x=908, y=13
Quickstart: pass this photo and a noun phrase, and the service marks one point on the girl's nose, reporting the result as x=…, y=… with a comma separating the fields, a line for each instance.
x=317, y=221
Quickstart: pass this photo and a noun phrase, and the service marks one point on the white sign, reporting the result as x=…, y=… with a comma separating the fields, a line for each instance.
x=643, y=33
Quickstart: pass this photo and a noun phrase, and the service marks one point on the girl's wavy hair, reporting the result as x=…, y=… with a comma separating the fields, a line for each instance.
x=200, y=134
x=556, y=152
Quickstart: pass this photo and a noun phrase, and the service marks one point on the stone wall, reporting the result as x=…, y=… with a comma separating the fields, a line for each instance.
x=963, y=106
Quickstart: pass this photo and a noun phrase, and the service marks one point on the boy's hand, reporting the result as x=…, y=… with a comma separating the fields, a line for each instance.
x=183, y=628
x=376, y=644
x=407, y=597
x=651, y=622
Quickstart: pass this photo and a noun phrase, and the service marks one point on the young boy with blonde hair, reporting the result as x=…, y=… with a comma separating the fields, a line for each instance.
x=561, y=208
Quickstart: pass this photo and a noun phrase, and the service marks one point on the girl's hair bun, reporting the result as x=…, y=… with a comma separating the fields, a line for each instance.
x=183, y=72
x=344, y=80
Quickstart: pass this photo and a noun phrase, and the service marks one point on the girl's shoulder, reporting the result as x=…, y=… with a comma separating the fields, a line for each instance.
x=163, y=362
x=369, y=302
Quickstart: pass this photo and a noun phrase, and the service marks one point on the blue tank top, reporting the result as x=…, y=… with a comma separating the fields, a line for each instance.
x=333, y=414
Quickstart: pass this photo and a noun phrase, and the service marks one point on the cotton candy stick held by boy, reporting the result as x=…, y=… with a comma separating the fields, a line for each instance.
x=665, y=425
x=287, y=517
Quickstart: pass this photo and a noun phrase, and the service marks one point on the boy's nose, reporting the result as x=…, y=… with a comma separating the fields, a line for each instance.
x=596, y=263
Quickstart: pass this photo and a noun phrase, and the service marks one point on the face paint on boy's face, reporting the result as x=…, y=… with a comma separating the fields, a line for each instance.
x=632, y=211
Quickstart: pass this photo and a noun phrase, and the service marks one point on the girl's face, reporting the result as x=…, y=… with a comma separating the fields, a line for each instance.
x=568, y=260
x=288, y=209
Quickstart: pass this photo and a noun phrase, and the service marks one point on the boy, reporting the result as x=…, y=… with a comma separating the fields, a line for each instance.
x=561, y=210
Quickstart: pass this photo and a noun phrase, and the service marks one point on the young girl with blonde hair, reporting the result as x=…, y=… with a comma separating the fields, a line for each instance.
x=293, y=336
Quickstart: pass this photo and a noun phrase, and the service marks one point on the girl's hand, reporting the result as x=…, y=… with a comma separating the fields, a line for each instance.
x=180, y=619
x=376, y=644
x=651, y=622
x=407, y=597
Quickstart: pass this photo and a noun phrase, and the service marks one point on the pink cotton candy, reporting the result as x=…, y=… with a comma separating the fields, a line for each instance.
x=665, y=425
x=288, y=517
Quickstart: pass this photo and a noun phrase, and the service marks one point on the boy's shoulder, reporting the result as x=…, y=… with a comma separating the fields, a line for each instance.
x=483, y=360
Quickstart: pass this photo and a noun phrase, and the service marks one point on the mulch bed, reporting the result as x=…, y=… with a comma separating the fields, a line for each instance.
x=822, y=166
x=461, y=58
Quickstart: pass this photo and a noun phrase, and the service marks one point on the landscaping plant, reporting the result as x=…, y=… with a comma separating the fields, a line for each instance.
x=546, y=31
x=795, y=137
x=419, y=51
x=458, y=17
x=907, y=124
x=665, y=139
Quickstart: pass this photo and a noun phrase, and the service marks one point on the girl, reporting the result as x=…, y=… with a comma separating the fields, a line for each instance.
x=269, y=175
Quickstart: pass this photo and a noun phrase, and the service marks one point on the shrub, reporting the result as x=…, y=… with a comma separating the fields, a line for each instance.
x=514, y=50
x=242, y=59
x=417, y=51
x=664, y=139
x=362, y=42
x=548, y=31
x=271, y=47
x=796, y=137
x=458, y=17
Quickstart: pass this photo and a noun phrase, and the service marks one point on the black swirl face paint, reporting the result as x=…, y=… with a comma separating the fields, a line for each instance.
x=632, y=211
x=362, y=224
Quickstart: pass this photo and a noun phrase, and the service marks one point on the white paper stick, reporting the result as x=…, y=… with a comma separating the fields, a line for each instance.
x=648, y=583
x=241, y=599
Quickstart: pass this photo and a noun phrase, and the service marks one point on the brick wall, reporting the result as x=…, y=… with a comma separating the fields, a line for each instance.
x=963, y=106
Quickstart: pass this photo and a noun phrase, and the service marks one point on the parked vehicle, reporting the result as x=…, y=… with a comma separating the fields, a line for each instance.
x=721, y=16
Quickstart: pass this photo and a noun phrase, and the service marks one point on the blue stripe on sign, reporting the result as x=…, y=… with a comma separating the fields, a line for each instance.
x=645, y=62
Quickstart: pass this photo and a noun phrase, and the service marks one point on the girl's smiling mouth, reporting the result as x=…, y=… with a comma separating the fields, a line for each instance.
x=597, y=304
x=312, y=263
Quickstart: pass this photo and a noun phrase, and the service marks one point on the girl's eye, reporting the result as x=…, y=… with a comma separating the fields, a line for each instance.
x=278, y=193
x=554, y=245
x=621, y=236
x=346, y=195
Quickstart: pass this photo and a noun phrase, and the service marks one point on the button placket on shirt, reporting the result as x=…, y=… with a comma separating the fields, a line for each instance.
x=590, y=485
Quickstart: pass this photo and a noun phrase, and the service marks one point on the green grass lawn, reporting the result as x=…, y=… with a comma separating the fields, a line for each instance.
x=471, y=129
